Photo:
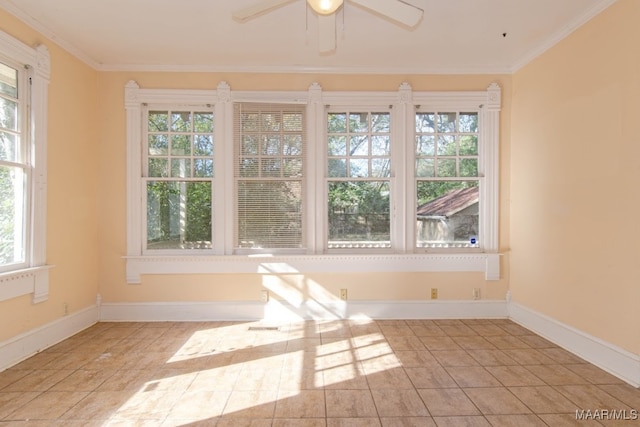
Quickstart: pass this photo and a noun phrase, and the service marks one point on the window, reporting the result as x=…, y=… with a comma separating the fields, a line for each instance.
x=220, y=181
x=24, y=78
x=447, y=180
x=179, y=176
x=269, y=176
x=14, y=169
x=358, y=183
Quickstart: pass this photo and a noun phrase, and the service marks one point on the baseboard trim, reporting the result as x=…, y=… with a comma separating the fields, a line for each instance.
x=615, y=360
x=280, y=310
x=25, y=345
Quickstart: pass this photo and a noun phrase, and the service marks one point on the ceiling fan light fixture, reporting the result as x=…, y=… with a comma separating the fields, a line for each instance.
x=324, y=7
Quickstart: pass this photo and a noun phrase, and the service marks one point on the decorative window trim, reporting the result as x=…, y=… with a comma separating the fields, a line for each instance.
x=401, y=257
x=35, y=278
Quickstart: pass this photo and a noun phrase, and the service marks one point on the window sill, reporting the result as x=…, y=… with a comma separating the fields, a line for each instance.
x=489, y=263
x=34, y=280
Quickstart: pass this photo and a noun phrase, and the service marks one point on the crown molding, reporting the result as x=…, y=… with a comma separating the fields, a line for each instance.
x=558, y=36
x=32, y=22
x=301, y=69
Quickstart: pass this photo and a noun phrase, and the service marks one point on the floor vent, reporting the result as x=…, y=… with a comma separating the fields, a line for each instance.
x=263, y=328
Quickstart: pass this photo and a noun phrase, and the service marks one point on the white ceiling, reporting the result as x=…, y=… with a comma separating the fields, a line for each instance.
x=455, y=36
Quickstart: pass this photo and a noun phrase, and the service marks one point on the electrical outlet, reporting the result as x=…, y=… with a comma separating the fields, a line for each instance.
x=434, y=293
x=476, y=293
x=264, y=295
x=65, y=307
x=343, y=294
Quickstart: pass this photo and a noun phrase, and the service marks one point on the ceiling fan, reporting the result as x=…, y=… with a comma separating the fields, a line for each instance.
x=397, y=11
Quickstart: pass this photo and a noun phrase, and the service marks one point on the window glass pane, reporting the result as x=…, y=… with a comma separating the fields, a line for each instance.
x=9, y=147
x=425, y=123
x=358, y=122
x=203, y=122
x=337, y=122
x=358, y=168
x=203, y=168
x=425, y=145
x=468, y=145
x=425, y=168
x=174, y=149
x=181, y=121
x=468, y=122
x=292, y=145
x=446, y=122
x=158, y=145
x=269, y=214
x=447, y=214
x=158, y=167
x=271, y=145
x=380, y=168
x=249, y=167
x=292, y=122
x=8, y=81
x=178, y=215
x=337, y=168
x=380, y=122
x=380, y=145
x=337, y=146
x=8, y=114
x=359, y=146
x=249, y=145
x=203, y=145
x=181, y=145
x=181, y=168
x=271, y=167
x=446, y=167
x=12, y=214
x=358, y=213
x=468, y=167
x=446, y=145
x=292, y=168
x=270, y=122
x=249, y=122
x=158, y=121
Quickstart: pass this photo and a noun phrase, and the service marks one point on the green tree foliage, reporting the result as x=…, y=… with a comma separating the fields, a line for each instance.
x=178, y=213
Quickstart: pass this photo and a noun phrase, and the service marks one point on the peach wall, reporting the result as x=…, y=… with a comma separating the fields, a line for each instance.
x=112, y=202
x=72, y=235
x=575, y=196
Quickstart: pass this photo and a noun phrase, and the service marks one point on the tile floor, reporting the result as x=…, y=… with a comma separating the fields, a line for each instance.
x=333, y=373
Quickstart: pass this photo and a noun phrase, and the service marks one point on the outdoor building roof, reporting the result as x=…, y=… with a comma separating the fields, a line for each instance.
x=450, y=203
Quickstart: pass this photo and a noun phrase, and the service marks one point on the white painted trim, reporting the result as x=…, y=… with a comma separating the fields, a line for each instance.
x=615, y=360
x=294, y=264
x=301, y=69
x=31, y=342
x=316, y=310
x=25, y=281
x=11, y=7
x=37, y=62
x=221, y=260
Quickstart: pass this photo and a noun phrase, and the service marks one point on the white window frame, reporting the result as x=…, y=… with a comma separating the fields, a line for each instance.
x=143, y=189
x=402, y=256
x=32, y=276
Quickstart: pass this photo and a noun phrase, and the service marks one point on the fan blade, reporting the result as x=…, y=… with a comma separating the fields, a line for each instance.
x=396, y=10
x=327, y=33
x=258, y=9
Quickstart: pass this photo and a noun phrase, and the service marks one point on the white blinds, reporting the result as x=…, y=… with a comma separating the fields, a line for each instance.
x=269, y=155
